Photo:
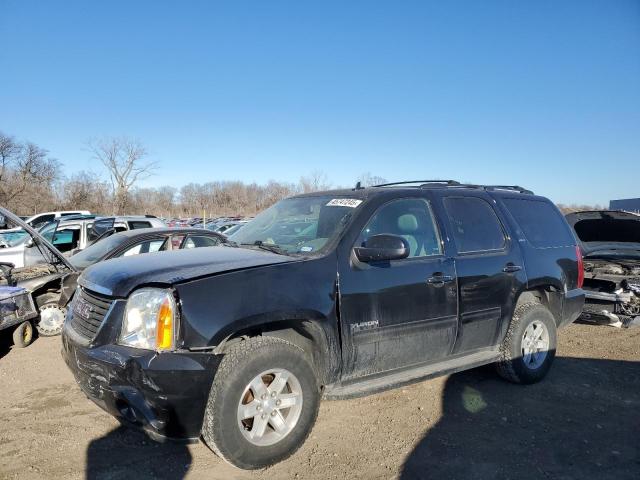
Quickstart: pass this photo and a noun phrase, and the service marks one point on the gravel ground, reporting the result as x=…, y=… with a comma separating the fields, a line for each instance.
x=582, y=421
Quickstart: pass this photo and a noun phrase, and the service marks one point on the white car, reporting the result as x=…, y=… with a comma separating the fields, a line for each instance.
x=70, y=236
x=38, y=220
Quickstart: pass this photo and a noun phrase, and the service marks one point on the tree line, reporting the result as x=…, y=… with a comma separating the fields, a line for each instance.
x=32, y=181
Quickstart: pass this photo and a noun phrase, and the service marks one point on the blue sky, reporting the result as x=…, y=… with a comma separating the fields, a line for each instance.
x=545, y=94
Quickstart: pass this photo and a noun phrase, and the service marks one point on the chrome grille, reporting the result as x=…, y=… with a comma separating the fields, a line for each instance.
x=89, y=310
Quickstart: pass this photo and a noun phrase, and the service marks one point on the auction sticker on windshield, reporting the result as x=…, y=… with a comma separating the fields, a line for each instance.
x=344, y=202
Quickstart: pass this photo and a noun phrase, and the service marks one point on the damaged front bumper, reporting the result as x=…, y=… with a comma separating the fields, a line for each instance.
x=163, y=393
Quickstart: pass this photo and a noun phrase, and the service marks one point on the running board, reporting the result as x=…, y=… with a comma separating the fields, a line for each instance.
x=395, y=378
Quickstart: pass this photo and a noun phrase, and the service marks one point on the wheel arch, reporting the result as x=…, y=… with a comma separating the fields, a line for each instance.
x=319, y=345
x=547, y=295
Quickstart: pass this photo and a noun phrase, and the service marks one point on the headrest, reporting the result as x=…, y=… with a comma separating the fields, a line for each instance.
x=407, y=223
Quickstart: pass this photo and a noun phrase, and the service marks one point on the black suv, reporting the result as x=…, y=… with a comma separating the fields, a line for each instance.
x=335, y=294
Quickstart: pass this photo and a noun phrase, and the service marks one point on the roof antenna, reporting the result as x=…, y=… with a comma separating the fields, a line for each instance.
x=359, y=186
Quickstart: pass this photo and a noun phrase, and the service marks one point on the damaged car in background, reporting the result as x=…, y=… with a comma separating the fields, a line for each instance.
x=50, y=278
x=610, y=242
x=32, y=294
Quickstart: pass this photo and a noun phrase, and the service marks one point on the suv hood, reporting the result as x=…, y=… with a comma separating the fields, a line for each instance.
x=608, y=231
x=119, y=276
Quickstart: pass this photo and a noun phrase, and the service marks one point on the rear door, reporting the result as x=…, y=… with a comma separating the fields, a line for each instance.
x=488, y=264
x=401, y=312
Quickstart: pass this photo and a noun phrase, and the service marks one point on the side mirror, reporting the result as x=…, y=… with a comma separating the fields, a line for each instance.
x=381, y=248
x=29, y=243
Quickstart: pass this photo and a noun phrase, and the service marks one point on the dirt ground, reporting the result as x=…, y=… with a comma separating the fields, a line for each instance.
x=582, y=421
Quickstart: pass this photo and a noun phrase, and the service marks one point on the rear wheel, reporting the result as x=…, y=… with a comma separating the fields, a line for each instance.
x=529, y=347
x=23, y=335
x=263, y=403
x=51, y=315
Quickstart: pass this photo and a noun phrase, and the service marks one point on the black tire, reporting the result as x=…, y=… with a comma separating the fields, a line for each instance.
x=49, y=301
x=511, y=365
x=244, y=361
x=23, y=335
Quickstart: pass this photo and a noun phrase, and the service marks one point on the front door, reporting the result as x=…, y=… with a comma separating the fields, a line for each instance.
x=401, y=312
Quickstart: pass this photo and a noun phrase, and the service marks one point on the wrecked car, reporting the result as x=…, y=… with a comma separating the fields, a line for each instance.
x=52, y=286
x=610, y=242
x=72, y=234
x=44, y=276
x=17, y=310
x=365, y=289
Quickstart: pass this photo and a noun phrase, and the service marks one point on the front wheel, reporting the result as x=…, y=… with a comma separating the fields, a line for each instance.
x=263, y=403
x=52, y=315
x=529, y=347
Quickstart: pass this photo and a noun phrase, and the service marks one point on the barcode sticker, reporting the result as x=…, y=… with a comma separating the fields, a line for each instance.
x=344, y=202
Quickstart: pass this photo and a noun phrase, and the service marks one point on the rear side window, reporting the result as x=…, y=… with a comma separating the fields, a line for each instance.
x=476, y=227
x=540, y=223
x=197, y=241
x=137, y=224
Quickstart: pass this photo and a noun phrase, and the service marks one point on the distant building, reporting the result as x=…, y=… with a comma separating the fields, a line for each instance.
x=627, y=204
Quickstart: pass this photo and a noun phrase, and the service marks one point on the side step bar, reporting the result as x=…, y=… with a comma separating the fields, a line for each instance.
x=406, y=376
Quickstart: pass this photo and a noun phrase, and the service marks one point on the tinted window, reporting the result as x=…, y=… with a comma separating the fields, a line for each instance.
x=149, y=246
x=540, y=222
x=65, y=239
x=197, y=241
x=136, y=224
x=99, y=227
x=41, y=220
x=475, y=225
x=412, y=220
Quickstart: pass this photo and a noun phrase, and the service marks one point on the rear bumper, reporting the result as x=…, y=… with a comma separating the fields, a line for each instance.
x=164, y=394
x=572, y=306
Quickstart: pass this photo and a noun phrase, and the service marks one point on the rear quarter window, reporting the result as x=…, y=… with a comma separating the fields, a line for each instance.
x=540, y=222
x=134, y=225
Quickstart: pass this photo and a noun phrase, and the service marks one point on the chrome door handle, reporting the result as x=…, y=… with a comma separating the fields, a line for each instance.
x=511, y=268
x=439, y=280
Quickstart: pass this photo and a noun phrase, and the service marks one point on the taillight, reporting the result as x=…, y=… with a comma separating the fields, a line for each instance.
x=580, y=267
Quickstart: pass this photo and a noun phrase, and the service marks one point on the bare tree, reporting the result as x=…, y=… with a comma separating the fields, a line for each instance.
x=85, y=190
x=368, y=180
x=25, y=171
x=124, y=159
x=316, y=181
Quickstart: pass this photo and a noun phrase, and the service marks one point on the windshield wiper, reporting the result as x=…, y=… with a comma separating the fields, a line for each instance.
x=271, y=247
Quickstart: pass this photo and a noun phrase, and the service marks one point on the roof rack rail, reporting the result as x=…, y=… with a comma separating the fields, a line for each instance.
x=420, y=182
x=455, y=183
x=508, y=187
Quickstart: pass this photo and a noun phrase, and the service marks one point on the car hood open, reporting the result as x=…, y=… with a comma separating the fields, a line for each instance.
x=118, y=277
x=607, y=230
x=50, y=252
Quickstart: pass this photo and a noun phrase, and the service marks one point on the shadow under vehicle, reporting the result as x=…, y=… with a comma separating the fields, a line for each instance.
x=610, y=243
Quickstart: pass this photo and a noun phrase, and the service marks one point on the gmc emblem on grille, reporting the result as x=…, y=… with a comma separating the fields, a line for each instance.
x=82, y=308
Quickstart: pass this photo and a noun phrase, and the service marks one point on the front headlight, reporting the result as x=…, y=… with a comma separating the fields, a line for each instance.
x=150, y=320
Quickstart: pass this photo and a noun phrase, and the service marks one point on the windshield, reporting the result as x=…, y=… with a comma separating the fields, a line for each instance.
x=298, y=225
x=96, y=252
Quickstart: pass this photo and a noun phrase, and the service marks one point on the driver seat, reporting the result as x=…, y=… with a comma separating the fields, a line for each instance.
x=408, y=228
